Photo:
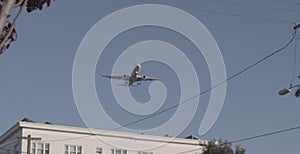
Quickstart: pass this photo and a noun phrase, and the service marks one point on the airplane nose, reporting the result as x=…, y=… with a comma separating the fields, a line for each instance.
x=139, y=65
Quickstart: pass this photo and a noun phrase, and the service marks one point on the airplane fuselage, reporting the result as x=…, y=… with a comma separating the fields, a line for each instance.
x=133, y=77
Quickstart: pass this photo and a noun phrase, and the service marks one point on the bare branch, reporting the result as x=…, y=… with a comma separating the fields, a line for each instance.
x=19, y=2
x=5, y=12
x=8, y=32
x=11, y=28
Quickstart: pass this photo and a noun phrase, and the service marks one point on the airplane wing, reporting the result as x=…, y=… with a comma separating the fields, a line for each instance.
x=124, y=77
x=126, y=85
x=150, y=79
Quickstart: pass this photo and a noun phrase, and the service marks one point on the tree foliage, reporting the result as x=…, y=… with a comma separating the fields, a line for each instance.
x=8, y=33
x=37, y=4
x=222, y=147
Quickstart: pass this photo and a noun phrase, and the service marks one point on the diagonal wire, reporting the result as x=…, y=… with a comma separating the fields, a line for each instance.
x=264, y=135
x=287, y=2
x=250, y=138
x=254, y=6
x=213, y=87
x=201, y=93
x=224, y=13
x=193, y=97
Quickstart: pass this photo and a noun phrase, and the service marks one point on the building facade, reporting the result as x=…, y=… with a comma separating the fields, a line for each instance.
x=46, y=138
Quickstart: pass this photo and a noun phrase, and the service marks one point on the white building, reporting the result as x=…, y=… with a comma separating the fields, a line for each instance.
x=56, y=139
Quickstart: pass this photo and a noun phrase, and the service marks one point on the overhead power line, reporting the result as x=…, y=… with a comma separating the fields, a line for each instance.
x=287, y=2
x=29, y=139
x=240, y=16
x=72, y=138
x=214, y=86
x=251, y=138
x=195, y=9
x=265, y=135
x=254, y=6
x=201, y=93
x=190, y=150
x=195, y=96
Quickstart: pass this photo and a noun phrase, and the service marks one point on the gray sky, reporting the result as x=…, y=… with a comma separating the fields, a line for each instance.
x=36, y=72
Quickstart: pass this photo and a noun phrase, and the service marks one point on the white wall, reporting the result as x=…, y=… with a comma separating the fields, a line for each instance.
x=59, y=136
x=58, y=139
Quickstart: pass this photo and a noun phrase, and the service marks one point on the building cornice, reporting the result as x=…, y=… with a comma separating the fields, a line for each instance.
x=105, y=133
x=9, y=132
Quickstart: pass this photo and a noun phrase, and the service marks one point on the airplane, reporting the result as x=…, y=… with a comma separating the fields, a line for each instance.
x=133, y=77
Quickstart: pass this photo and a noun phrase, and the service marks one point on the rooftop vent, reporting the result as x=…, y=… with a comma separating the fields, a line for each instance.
x=27, y=120
x=193, y=137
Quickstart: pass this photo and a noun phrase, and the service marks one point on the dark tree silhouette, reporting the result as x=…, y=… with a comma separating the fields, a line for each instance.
x=222, y=147
x=7, y=28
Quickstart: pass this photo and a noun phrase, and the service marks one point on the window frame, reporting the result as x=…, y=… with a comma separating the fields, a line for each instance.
x=114, y=151
x=45, y=147
x=144, y=152
x=67, y=149
x=99, y=150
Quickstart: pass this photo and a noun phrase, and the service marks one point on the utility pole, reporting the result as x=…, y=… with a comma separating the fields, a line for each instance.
x=29, y=139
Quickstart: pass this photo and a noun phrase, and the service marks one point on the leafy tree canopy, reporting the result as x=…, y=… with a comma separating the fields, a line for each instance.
x=222, y=147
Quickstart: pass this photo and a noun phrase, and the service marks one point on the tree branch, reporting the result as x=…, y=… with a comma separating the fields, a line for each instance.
x=5, y=12
x=19, y=3
x=11, y=28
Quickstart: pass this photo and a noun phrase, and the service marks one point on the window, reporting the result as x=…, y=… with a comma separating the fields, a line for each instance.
x=142, y=152
x=40, y=148
x=73, y=149
x=99, y=150
x=78, y=149
x=33, y=148
x=118, y=151
x=47, y=148
x=66, y=149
